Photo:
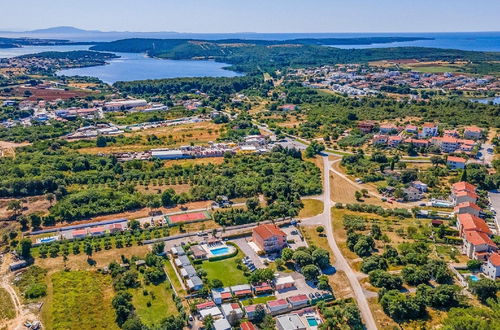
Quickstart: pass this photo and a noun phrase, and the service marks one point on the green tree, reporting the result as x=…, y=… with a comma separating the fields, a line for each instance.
x=208, y=322
x=286, y=254
x=484, y=289
x=25, y=248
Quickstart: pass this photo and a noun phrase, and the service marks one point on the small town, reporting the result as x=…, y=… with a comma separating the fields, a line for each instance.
x=162, y=170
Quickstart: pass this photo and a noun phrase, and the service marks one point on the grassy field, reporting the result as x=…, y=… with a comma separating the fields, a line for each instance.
x=7, y=310
x=258, y=300
x=160, y=298
x=311, y=208
x=225, y=270
x=79, y=300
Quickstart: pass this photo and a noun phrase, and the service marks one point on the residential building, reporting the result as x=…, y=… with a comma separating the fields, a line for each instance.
x=289, y=322
x=468, y=222
x=241, y=290
x=232, y=307
x=262, y=288
x=221, y=294
x=188, y=271
x=97, y=231
x=462, y=186
x=451, y=132
x=411, y=129
x=379, y=139
x=298, y=300
x=222, y=324
x=214, y=311
x=492, y=266
x=277, y=306
x=198, y=252
x=250, y=310
x=467, y=208
x=449, y=144
x=247, y=326
x=412, y=194
x=194, y=283
x=269, y=238
x=388, y=129
x=118, y=105
x=455, y=162
x=473, y=132
x=422, y=187
x=417, y=142
x=205, y=305
x=79, y=233
x=177, y=250
x=182, y=261
x=366, y=126
x=478, y=245
x=394, y=141
x=428, y=130
x=465, y=196
x=282, y=283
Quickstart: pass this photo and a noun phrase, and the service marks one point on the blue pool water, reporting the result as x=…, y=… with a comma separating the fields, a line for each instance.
x=219, y=251
x=474, y=278
x=47, y=240
x=312, y=321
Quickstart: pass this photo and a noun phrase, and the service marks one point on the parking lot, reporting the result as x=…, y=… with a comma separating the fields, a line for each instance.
x=301, y=287
x=293, y=233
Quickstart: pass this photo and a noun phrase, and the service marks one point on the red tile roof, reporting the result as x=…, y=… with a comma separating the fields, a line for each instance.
x=205, y=305
x=268, y=230
x=275, y=303
x=456, y=159
x=471, y=222
x=226, y=295
x=495, y=259
x=473, y=129
x=97, y=229
x=78, y=232
x=467, y=193
x=298, y=298
x=247, y=326
x=242, y=292
x=250, y=308
x=462, y=185
x=478, y=238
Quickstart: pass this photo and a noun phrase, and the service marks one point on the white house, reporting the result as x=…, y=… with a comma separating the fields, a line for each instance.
x=290, y=322
x=455, y=162
x=478, y=245
x=492, y=267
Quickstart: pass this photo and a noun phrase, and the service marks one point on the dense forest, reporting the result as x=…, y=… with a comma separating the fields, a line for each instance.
x=254, y=55
x=212, y=86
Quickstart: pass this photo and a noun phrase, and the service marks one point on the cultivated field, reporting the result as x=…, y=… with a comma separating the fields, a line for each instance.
x=79, y=300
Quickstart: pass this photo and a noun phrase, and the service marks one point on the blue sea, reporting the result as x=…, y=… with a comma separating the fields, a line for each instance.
x=137, y=66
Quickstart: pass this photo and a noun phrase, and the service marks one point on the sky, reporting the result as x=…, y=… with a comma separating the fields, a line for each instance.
x=213, y=16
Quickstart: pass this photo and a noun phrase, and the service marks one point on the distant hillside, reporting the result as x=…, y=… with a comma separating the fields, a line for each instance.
x=252, y=55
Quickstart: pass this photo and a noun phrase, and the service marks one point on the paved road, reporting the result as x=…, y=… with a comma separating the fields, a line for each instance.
x=340, y=261
x=495, y=204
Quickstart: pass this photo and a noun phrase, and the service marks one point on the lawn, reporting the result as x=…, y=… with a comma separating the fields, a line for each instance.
x=79, y=300
x=225, y=270
x=258, y=300
x=162, y=303
x=169, y=269
x=7, y=310
x=311, y=208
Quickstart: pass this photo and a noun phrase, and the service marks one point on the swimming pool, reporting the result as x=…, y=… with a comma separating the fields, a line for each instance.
x=220, y=251
x=474, y=278
x=312, y=321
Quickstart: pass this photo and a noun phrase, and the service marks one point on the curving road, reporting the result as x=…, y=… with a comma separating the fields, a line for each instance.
x=340, y=262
